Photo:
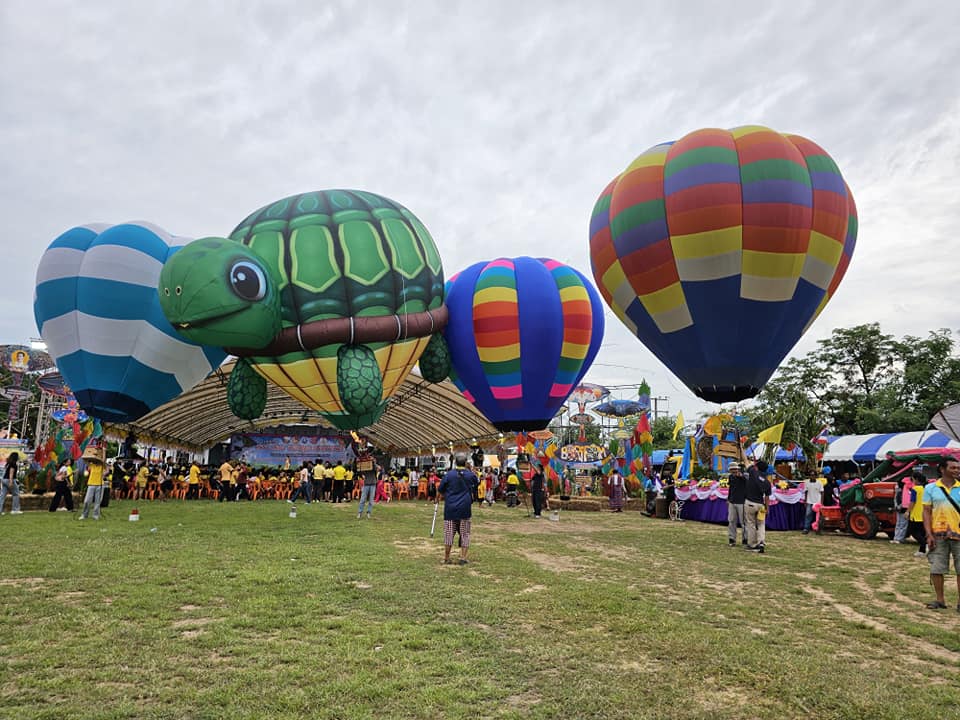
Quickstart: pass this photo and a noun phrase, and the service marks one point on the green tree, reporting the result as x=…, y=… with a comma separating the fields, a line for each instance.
x=662, y=430
x=861, y=380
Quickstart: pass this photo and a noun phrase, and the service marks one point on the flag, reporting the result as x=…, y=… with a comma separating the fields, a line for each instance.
x=771, y=435
x=678, y=425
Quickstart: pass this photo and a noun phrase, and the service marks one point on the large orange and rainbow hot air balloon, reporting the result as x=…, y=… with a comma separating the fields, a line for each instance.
x=720, y=249
x=522, y=333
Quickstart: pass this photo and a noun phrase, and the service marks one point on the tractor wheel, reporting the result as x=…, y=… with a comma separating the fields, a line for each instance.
x=862, y=523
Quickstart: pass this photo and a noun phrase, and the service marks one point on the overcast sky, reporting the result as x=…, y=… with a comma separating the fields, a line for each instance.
x=496, y=123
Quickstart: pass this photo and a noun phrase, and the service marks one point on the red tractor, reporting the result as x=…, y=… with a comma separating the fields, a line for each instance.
x=867, y=506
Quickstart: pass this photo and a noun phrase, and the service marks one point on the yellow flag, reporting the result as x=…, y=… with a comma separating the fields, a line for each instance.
x=678, y=425
x=771, y=435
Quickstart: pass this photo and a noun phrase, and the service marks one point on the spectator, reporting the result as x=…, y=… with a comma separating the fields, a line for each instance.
x=736, y=495
x=941, y=520
x=901, y=504
x=339, y=482
x=64, y=487
x=757, y=498
x=226, y=481
x=303, y=488
x=812, y=495
x=9, y=484
x=615, y=483
x=91, y=501
x=457, y=487
x=367, y=492
x=915, y=527
x=537, y=491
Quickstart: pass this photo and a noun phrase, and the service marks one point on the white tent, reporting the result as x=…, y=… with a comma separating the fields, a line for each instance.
x=947, y=421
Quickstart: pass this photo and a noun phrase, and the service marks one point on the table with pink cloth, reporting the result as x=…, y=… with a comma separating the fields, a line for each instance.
x=709, y=504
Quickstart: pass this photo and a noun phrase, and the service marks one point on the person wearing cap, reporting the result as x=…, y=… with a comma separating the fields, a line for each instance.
x=757, y=498
x=457, y=487
x=735, y=498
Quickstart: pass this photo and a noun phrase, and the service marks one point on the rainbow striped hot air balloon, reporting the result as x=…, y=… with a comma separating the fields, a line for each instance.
x=97, y=309
x=522, y=333
x=719, y=250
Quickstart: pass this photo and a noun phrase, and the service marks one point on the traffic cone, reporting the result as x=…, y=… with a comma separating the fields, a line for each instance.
x=134, y=515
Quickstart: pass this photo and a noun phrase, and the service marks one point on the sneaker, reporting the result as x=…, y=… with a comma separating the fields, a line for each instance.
x=806, y=532
x=732, y=543
x=895, y=542
x=16, y=512
x=920, y=553
x=63, y=509
x=462, y=561
x=81, y=518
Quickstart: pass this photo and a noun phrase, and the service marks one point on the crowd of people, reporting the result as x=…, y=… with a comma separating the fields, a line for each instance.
x=928, y=512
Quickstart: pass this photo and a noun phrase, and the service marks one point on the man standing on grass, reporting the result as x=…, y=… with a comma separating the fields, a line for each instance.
x=813, y=494
x=736, y=495
x=457, y=488
x=226, y=481
x=941, y=521
x=94, y=496
x=757, y=498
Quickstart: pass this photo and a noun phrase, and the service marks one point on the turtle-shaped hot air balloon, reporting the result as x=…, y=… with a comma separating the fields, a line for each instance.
x=332, y=295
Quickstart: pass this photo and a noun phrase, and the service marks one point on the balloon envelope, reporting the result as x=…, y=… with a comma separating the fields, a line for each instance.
x=719, y=250
x=619, y=408
x=522, y=333
x=97, y=309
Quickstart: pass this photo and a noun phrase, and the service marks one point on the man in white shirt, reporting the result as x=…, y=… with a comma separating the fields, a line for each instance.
x=812, y=494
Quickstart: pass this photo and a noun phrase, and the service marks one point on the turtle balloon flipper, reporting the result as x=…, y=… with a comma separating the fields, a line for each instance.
x=246, y=391
x=435, y=362
x=358, y=379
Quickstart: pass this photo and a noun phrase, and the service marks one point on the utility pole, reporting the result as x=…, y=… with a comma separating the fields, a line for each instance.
x=656, y=406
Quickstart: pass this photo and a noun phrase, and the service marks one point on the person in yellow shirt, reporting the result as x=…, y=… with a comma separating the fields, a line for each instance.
x=327, y=481
x=339, y=478
x=142, y=476
x=915, y=514
x=317, y=488
x=941, y=521
x=94, y=496
x=513, y=487
x=348, y=484
x=193, y=482
x=226, y=481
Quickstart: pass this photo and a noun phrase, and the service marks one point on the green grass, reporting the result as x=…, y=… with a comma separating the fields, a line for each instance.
x=237, y=611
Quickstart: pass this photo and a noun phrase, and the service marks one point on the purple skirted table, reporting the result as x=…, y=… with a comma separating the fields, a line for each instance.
x=709, y=504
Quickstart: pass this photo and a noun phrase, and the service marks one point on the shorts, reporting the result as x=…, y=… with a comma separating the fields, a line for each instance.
x=939, y=557
x=450, y=527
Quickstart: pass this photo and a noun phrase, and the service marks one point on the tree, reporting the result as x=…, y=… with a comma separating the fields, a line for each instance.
x=861, y=380
x=662, y=429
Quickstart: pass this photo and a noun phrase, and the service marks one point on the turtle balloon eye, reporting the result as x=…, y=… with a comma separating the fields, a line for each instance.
x=247, y=280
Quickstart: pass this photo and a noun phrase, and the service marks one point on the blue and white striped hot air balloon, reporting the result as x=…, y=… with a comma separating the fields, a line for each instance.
x=97, y=309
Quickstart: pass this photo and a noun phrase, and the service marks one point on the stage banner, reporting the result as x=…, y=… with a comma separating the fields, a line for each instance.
x=278, y=450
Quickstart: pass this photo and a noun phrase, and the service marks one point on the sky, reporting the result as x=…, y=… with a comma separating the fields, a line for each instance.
x=497, y=123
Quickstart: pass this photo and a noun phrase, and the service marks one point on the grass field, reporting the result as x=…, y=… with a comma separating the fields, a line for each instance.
x=237, y=611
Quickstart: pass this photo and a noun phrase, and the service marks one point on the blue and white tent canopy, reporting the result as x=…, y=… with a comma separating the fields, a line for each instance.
x=864, y=448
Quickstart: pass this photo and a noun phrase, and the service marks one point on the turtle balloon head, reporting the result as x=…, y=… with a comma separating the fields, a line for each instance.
x=219, y=292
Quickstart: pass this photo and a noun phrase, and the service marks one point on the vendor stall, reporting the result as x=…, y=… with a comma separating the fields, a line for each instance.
x=707, y=502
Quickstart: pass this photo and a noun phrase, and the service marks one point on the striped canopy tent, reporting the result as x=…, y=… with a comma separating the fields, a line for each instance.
x=864, y=448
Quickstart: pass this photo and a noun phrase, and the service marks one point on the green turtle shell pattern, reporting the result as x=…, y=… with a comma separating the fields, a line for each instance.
x=337, y=254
